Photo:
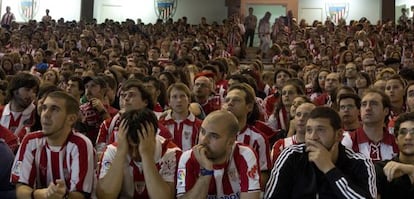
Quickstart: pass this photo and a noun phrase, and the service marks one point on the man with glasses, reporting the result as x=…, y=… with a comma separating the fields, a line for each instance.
x=203, y=92
x=349, y=105
x=351, y=74
x=396, y=177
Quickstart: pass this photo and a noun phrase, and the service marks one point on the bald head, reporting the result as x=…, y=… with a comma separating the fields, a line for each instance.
x=224, y=118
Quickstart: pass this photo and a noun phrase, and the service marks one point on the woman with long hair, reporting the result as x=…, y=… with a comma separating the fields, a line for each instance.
x=280, y=118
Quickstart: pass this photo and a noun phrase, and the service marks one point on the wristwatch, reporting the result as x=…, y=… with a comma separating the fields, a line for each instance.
x=206, y=172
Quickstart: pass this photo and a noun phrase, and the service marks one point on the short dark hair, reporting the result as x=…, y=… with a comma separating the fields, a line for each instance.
x=78, y=79
x=71, y=104
x=46, y=88
x=22, y=79
x=250, y=99
x=137, y=117
x=355, y=97
x=402, y=118
x=327, y=113
x=145, y=95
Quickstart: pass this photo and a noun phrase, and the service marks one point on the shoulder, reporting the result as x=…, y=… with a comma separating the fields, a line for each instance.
x=292, y=151
x=80, y=140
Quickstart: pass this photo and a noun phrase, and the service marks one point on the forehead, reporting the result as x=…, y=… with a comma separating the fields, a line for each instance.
x=372, y=97
x=347, y=101
x=332, y=76
x=53, y=101
x=236, y=92
x=202, y=80
x=306, y=107
x=176, y=91
x=393, y=81
x=213, y=125
x=131, y=89
x=289, y=87
x=318, y=122
x=407, y=124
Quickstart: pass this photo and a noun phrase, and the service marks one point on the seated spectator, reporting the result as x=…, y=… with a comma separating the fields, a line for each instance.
x=218, y=167
x=322, y=163
x=139, y=149
x=395, y=177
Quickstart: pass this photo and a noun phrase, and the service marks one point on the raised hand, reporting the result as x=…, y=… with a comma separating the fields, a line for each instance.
x=319, y=155
x=201, y=156
x=147, y=141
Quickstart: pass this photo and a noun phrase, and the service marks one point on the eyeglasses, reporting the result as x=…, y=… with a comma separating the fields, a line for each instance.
x=405, y=131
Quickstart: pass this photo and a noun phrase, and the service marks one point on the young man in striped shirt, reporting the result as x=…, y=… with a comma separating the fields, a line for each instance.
x=218, y=167
x=55, y=162
x=322, y=167
x=141, y=164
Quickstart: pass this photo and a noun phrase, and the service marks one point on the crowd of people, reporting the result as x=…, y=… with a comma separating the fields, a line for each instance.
x=174, y=110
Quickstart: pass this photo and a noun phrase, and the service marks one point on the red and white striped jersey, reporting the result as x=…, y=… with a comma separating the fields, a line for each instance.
x=358, y=141
x=15, y=122
x=166, y=157
x=254, y=138
x=239, y=174
x=280, y=145
x=37, y=164
x=185, y=132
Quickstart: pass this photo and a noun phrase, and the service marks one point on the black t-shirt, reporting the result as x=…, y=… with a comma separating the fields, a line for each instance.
x=398, y=188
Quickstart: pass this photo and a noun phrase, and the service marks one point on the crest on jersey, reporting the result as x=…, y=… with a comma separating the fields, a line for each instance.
x=17, y=168
x=28, y=9
x=337, y=11
x=165, y=9
x=140, y=187
x=181, y=177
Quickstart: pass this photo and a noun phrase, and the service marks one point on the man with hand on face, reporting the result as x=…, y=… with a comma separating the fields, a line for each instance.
x=322, y=167
x=218, y=167
x=396, y=177
x=55, y=162
x=141, y=164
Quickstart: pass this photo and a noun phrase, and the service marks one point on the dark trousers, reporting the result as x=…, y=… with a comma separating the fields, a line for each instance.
x=249, y=34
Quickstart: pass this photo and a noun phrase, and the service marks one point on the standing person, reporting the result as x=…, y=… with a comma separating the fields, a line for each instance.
x=250, y=22
x=47, y=18
x=7, y=18
x=20, y=111
x=55, y=162
x=141, y=164
x=264, y=34
x=396, y=177
x=322, y=164
x=218, y=167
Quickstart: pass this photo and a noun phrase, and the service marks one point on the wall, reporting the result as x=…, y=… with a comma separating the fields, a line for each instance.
x=68, y=9
x=403, y=4
x=289, y=4
x=214, y=10
x=371, y=9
